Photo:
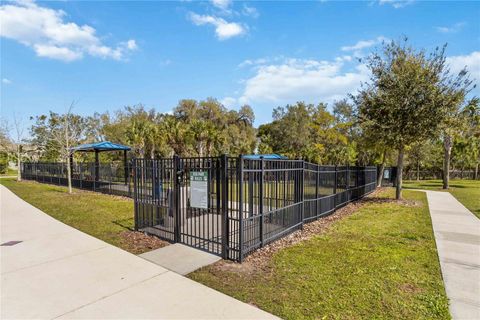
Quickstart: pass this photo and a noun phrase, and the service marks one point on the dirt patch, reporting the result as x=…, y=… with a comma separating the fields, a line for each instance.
x=402, y=202
x=410, y=288
x=260, y=260
x=138, y=242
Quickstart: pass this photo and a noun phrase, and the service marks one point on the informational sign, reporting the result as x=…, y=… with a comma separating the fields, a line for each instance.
x=199, y=189
x=386, y=174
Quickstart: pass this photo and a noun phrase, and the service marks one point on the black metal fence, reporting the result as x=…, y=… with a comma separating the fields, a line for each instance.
x=248, y=203
x=111, y=178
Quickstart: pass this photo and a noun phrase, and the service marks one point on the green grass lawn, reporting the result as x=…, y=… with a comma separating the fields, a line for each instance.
x=466, y=191
x=379, y=263
x=10, y=172
x=105, y=217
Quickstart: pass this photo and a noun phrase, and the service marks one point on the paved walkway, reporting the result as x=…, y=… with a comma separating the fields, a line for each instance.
x=457, y=234
x=180, y=258
x=55, y=271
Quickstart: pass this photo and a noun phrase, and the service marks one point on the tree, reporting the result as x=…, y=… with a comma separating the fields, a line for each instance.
x=18, y=143
x=64, y=132
x=404, y=100
x=310, y=132
x=454, y=93
x=55, y=134
x=468, y=146
x=419, y=154
x=7, y=146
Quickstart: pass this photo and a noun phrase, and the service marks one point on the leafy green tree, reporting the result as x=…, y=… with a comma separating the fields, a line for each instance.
x=404, y=100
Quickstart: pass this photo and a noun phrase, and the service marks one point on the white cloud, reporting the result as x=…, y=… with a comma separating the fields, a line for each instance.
x=132, y=44
x=471, y=61
x=228, y=102
x=6, y=81
x=397, y=4
x=363, y=44
x=46, y=31
x=59, y=53
x=223, y=29
x=222, y=4
x=249, y=62
x=452, y=29
x=250, y=11
x=300, y=79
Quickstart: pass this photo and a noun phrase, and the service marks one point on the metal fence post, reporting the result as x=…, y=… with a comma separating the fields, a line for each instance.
x=224, y=196
x=348, y=184
x=129, y=168
x=135, y=194
x=335, y=188
x=356, y=182
x=317, y=182
x=240, y=209
x=301, y=189
x=260, y=200
x=176, y=167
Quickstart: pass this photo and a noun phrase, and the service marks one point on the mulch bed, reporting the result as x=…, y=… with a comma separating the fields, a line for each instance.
x=137, y=242
x=260, y=259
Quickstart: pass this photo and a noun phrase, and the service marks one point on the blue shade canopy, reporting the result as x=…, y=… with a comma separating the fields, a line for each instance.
x=265, y=156
x=100, y=146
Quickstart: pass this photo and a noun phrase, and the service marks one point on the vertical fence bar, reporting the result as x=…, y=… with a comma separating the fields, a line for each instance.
x=225, y=222
x=348, y=184
x=335, y=183
x=301, y=189
x=176, y=189
x=240, y=210
x=260, y=200
x=135, y=195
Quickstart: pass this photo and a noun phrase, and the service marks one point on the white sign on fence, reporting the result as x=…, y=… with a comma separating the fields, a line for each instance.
x=199, y=189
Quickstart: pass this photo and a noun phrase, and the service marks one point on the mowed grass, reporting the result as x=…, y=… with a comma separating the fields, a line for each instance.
x=379, y=263
x=102, y=216
x=466, y=191
x=10, y=172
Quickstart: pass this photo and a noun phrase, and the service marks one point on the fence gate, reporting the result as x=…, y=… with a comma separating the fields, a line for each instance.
x=182, y=200
x=199, y=202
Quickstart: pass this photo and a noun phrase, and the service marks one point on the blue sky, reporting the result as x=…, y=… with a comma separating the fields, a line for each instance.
x=106, y=55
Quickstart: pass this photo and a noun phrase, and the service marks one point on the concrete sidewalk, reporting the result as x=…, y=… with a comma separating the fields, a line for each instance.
x=180, y=258
x=457, y=234
x=56, y=271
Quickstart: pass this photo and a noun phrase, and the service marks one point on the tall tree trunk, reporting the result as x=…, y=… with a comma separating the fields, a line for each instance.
x=398, y=191
x=447, y=148
x=475, y=177
x=418, y=170
x=382, y=168
x=19, y=162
